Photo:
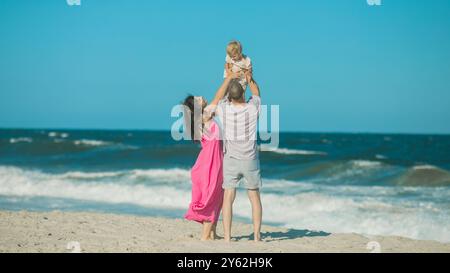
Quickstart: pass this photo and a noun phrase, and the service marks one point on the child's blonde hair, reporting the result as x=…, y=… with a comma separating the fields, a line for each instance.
x=234, y=48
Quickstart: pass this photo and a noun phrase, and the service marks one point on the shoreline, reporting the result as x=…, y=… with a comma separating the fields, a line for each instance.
x=53, y=231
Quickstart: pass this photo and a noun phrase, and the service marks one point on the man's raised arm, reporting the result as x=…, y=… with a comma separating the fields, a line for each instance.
x=254, y=88
x=220, y=93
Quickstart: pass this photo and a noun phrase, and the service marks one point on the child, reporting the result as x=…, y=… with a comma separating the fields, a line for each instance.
x=236, y=62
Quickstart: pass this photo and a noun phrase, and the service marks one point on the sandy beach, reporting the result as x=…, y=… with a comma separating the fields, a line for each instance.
x=25, y=231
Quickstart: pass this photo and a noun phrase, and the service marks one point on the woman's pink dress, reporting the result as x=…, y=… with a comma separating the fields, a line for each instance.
x=207, y=178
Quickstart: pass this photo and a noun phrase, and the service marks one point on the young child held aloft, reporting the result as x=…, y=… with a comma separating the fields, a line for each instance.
x=237, y=62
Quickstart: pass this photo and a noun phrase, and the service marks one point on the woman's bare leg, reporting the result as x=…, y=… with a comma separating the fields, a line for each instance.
x=213, y=234
x=207, y=226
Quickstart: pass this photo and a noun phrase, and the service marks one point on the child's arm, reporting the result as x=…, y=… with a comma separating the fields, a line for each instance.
x=228, y=70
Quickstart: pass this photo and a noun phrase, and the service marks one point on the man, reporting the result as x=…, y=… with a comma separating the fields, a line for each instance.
x=241, y=158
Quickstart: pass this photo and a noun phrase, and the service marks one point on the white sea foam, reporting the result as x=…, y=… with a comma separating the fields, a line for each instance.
x=174, y=174
x=16, y=182
x=380, y=156
x=340, y=214
x=292, y=151
x=55, y=134
x=177, y=175
x=281, y=183
x=339, y=209
x=98, y=143
x=425, y=167
x=353, y=169
x=21, y=139
x=89, y=142
x=157, y=175
x=366, y=163
x=88, y=175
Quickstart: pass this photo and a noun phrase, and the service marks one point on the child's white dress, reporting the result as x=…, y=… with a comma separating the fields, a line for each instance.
x=243, y=64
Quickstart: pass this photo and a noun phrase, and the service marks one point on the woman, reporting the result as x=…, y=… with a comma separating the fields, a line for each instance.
x=206, y=174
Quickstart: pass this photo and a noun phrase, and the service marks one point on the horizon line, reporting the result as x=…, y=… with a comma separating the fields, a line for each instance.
x=167, y=130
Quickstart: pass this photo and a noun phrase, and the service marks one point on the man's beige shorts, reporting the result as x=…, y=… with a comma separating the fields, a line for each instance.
x=238, y=170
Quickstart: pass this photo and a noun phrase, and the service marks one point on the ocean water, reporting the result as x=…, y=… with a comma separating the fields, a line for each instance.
x=374, y=184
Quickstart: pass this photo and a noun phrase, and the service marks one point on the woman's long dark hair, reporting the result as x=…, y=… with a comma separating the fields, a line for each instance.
x=193, y=118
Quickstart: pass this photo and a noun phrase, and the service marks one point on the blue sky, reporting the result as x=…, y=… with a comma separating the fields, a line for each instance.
x=333, y=66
